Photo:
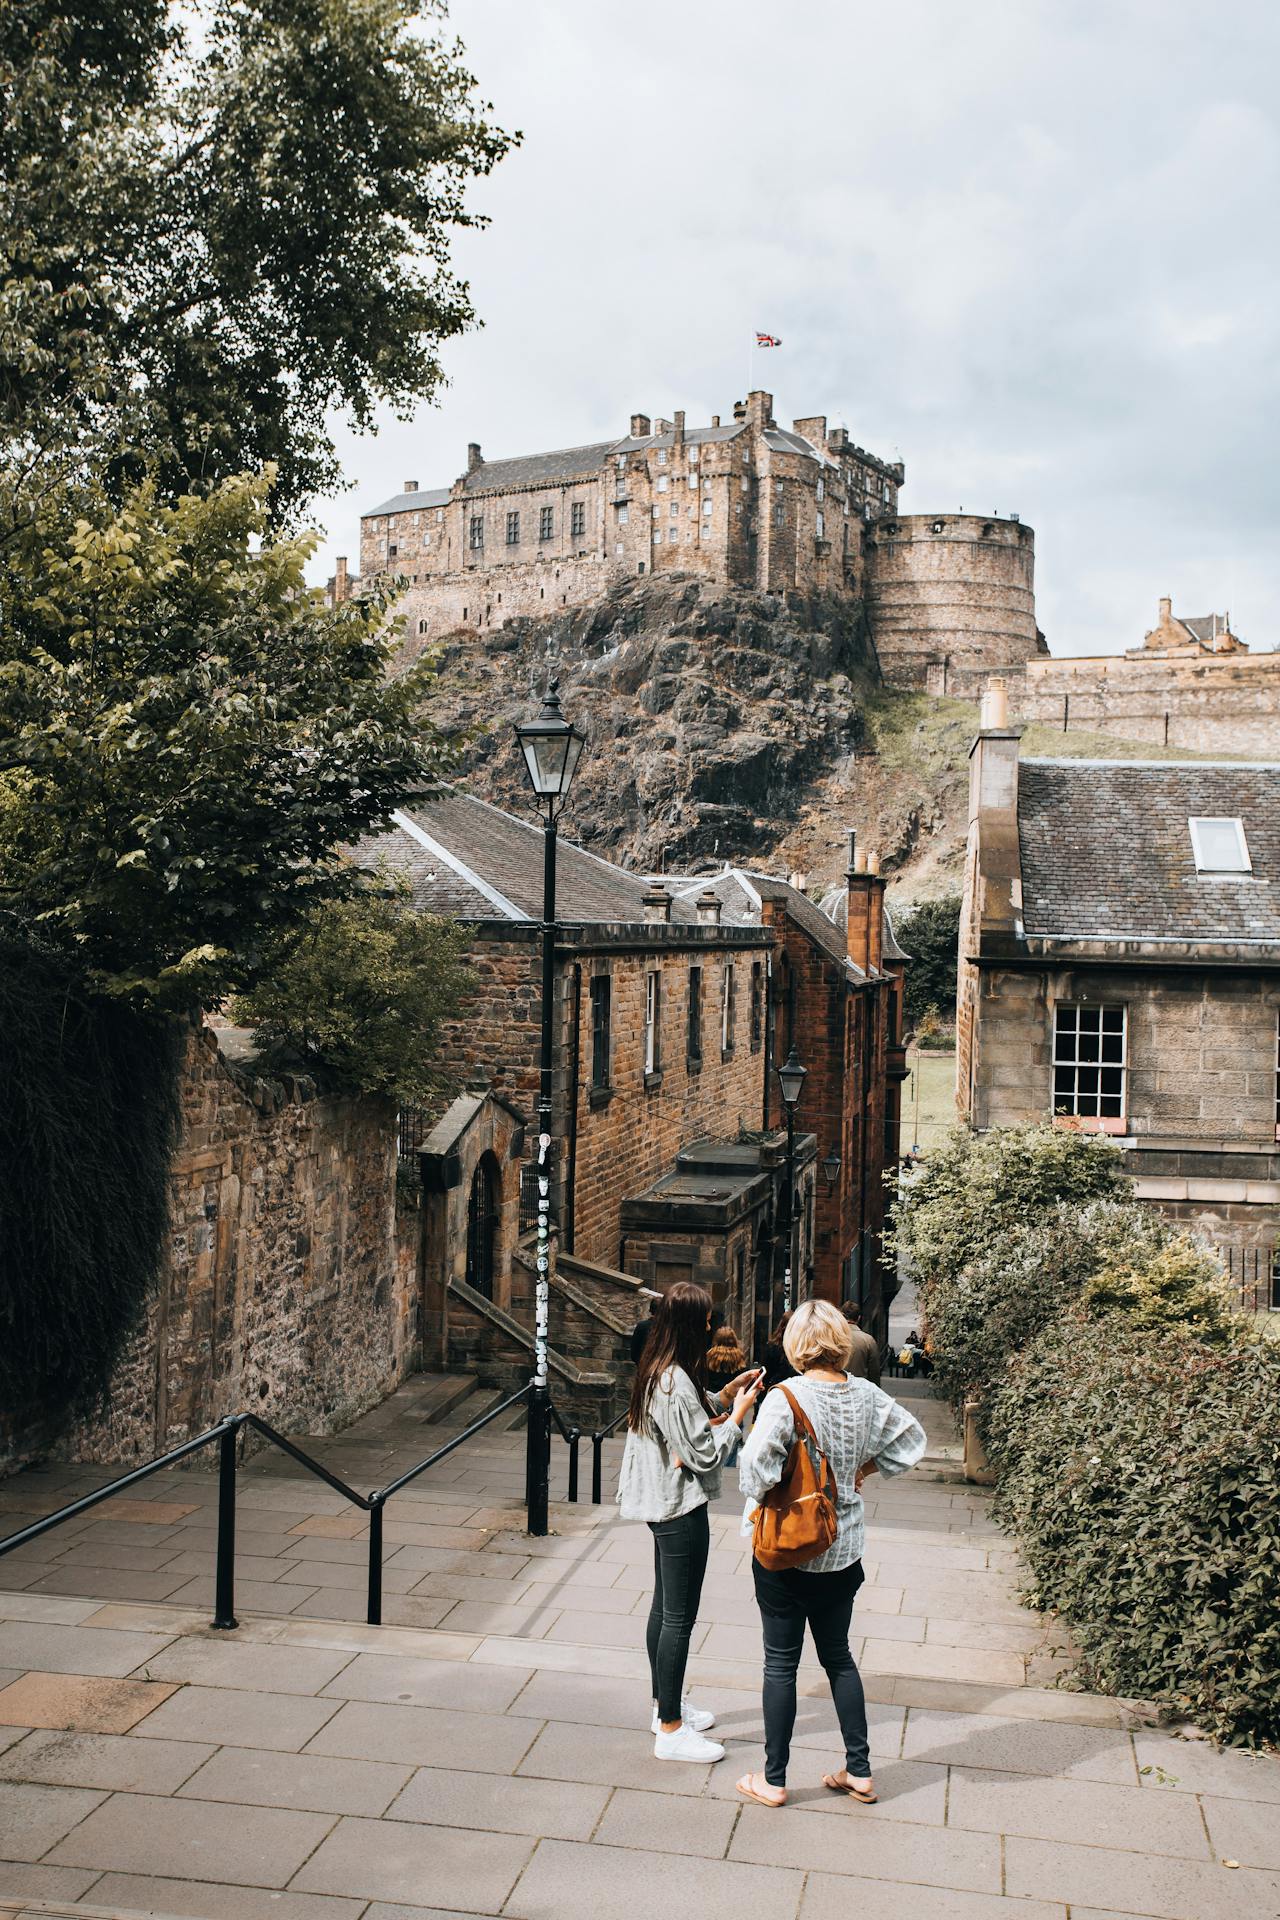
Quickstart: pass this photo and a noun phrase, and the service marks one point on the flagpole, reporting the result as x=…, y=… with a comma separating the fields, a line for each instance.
x=751, y=361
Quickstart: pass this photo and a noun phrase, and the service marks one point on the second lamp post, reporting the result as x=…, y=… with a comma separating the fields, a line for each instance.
x=791, y=1077
x=551, y=748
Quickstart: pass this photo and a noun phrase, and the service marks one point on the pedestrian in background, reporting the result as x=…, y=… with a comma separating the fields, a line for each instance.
x=864, y=1351
x=776, y=1364
x=643, y=1328
x=725, y=1358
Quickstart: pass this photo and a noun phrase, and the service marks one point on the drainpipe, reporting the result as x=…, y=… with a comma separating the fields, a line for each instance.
x=575, y=1068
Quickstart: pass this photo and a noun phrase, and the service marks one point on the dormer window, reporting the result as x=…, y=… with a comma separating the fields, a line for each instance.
x=1219, y=846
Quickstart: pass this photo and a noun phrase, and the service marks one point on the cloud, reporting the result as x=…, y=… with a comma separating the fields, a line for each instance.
x=1029, y=248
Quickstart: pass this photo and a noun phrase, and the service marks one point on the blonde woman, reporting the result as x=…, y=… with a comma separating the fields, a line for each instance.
x=861, y=1431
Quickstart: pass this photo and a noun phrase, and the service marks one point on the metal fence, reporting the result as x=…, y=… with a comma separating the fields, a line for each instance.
x=1254, y=1273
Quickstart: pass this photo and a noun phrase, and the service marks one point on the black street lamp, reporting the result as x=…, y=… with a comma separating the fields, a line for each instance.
x=551, y=748
x=791, y=1078
x=831, y=1169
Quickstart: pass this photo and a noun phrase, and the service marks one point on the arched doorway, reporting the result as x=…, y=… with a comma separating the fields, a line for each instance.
x=482, y=1225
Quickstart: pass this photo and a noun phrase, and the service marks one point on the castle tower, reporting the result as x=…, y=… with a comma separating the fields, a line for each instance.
x=951, y=599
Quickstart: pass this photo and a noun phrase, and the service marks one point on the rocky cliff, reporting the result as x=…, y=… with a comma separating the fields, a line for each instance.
x=714, y=716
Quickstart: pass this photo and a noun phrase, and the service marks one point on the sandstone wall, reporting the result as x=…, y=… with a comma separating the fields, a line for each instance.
x=284, y=1294
x=1228, y=703
x=951, y=599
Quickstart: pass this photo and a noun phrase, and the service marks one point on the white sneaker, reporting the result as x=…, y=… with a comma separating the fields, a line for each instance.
x=696, y=1717
x=685, y=1744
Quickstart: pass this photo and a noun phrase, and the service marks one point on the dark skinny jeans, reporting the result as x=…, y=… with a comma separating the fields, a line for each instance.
x=789, y=1599
x=680, y=1549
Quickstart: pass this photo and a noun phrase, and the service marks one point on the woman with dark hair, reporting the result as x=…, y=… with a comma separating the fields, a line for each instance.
x=675, y=1448
x=777, y=1367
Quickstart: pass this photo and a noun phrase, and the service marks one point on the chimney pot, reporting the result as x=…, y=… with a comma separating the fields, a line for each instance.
x=995, y=704
x=873, y=863
x=657, y=905
x=860, y=862
x=708, y=907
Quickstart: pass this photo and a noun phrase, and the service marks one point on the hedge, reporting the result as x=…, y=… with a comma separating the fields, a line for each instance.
x=1132, y=1418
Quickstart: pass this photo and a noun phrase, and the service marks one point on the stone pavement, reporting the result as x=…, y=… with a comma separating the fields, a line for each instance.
x=488, y=1755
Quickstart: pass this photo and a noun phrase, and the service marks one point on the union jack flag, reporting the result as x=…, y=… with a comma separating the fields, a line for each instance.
x=768, y=339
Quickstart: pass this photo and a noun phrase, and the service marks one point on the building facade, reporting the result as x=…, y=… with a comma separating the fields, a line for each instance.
x=675, y=1002
x=745, y=501
x=1120, y=972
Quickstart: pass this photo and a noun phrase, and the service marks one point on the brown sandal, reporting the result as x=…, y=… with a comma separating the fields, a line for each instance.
x=748, y=1792
x=854, y=1793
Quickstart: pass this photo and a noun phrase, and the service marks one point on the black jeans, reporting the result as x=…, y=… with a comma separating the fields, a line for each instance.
x=680, y=1549
x=789, y=1600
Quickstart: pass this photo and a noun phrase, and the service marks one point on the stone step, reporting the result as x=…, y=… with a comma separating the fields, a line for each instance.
x=444, y=1395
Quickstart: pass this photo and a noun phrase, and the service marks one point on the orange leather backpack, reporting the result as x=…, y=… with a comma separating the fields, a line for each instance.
x=796, y=1520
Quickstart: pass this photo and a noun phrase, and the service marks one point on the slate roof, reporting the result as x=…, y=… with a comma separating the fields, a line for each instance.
x=410, y=502
x=532, y=469
x=1107, y=854
x=472, y=861
x=741, y=890
x=783, y=441
x=694, y=437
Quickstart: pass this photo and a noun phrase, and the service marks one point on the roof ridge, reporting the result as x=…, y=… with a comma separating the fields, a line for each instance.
x=1071, y=760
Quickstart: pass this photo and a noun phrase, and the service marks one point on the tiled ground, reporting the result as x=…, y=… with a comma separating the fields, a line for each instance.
x=489, y=1756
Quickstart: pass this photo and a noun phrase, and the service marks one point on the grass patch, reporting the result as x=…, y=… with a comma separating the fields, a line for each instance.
x=929, y=1092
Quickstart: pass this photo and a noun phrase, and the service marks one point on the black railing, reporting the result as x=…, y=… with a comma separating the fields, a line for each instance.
x=225, y=1437
x=1254, y=1273
x=597, y=1456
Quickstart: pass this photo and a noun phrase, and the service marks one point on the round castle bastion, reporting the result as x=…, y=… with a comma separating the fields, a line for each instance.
x=951, y=599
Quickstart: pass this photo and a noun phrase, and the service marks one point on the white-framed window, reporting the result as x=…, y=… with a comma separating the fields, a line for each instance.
x=618, y=550
x=662, y=456
x=692, y=480
x=656, y=509
x=777, y=486
x=693, y=456
x=1090, y=1061
x=706, y=505
x=821, y=488
x=624, y=514
x=822, y=526
x=1219, y=845
x=777, y=516
x=675, y=509
x=621, y=463
x=657, y=536
x=652, y=1022
x=664, y=481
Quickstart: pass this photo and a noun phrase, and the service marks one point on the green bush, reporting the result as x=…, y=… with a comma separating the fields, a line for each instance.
x=1140, y=1469
x=359, y=995
x=930, y=933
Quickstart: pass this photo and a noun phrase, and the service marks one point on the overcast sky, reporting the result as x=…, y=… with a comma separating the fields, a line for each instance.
x=1029, y=246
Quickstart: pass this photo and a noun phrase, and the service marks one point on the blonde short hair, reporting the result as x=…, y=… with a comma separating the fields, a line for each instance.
x=817, y=1335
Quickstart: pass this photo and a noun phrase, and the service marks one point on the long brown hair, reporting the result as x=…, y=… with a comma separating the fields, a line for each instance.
x=678, y=1338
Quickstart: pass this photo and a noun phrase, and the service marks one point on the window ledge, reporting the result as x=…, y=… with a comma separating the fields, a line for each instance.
x=693, y=1062
x=727, y=1053
x=600, y=1097
x=653, y=1079
x=1090, y=1123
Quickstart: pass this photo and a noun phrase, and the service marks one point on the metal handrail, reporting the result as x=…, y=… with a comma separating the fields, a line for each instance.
x=225, y=1434
x=597, y=1456
x=571, y=1436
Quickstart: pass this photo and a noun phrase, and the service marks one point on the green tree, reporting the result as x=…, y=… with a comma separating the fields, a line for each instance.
x=187, y=739
x=222, y=222
x=359, y=993
x=930, y=934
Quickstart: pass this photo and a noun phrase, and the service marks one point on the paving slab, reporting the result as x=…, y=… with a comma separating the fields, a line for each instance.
x=103, y=1760
x=1137, y=1883
x=497, y=1803
x=223, y=1661
x=1169, y=1764
x=1059, y=1809
x=667, y=1823
x=22, y=1878
x=564, y=1881
x=1020, y=1746
x=397, y=1861
x=144, y=1833
x=610, y=1756
x=51, y=1648
x=147, y=1894
x=34, y=1818
x=841, y=1897
x=935, y=1856
x=1243, y=1830
x=250, y=1776
x=226, y=1716
x=404, y=1679
x=79, y=1700
x=427, y=1736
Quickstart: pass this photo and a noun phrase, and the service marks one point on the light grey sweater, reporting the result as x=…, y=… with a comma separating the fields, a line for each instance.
x=854, y=1422
x=650, y=1486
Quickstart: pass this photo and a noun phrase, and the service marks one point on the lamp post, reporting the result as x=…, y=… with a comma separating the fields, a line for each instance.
x=551, y=748
x=791, y=1078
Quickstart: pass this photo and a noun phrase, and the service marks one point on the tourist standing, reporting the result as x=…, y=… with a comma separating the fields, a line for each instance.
x=725, y=1358
x=864, y=1351
x=860, y=1430
x=677, y=1439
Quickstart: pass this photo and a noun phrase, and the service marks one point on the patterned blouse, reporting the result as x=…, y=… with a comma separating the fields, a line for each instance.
x=854, y=1422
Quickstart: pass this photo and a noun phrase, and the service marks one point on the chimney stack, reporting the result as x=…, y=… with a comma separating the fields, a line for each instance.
x=640, y=427
x=715, y=419
x=679, y=429
x=474, y=456
x=411, y=486
x=341, y=584
x=657, y=905
x=708, y=907
x=865, y=944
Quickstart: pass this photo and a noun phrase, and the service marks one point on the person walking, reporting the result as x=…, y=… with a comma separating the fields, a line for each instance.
x=860, y=1430
x=642, y=1329
x=776, y=1364
x=864, y=1351
x=725, y=1358
x=677, y=1439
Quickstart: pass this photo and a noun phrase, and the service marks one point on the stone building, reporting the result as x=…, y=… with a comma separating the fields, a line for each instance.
x=1120, y=970
x=1192, y=684
x=745, y=502
x=675, y=999
x=951, y=599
